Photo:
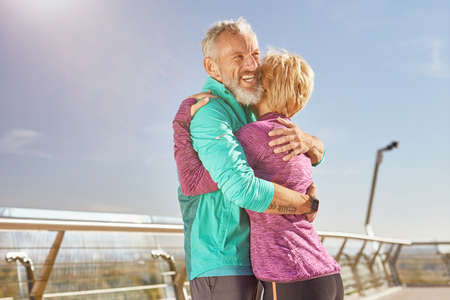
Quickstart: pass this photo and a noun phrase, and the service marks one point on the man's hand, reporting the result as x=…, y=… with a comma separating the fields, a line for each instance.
x=203, y=97
x=294, y=140
x=312, y=191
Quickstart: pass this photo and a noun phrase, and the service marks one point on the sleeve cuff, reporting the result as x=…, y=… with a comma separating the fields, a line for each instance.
x=321, y=160
x=184, y=112
x=263, y=196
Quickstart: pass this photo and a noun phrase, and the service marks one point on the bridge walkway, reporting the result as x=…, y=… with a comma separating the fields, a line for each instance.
x=409, y=293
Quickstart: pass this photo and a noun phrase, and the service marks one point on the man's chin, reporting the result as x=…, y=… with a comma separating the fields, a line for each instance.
x=248, y=96
x=249, y=89
x=245, y=92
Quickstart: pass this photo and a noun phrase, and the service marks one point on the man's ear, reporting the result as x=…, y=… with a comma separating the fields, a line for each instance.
x=211, y=68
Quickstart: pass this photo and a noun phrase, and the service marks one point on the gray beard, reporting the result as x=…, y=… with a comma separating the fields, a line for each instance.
x=244, y=96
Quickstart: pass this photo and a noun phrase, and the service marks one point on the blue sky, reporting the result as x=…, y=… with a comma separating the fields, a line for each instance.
x=88, y=90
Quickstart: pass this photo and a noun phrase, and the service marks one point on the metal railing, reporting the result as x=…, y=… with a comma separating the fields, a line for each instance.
x=379, y=264
x=384, y=258
x=425, y=264
x=37, y=283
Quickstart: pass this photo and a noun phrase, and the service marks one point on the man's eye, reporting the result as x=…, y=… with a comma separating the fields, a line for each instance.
x=238, y=57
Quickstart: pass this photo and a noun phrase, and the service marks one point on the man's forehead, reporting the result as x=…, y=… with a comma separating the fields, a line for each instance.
x=237, y=42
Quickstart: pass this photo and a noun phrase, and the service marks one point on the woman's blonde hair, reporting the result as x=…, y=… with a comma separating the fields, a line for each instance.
x=288, y=82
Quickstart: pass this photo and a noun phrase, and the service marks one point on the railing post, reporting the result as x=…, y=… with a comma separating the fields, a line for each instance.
x=446, y=259
x=393, y=264
x=371, y=263
x=21, y=258
x=386, y=260
x=355, y=271
x=177, y=279
x=180, y=279
x=39, y=285
x=341, y=250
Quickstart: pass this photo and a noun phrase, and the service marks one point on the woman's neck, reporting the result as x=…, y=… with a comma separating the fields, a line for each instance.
x=262, y=107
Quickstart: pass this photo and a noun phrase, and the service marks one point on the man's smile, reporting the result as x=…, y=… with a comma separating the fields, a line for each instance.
x=248, y=79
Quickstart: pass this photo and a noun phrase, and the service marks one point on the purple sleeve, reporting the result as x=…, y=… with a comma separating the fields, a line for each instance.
x=194, y=178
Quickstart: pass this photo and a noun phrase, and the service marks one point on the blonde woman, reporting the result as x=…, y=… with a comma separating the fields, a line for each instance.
x=285, y=250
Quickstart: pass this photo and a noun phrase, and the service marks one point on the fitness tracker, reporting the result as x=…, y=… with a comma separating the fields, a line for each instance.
x=314, y=204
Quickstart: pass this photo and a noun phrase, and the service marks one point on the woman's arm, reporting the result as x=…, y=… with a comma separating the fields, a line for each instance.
x=285, y=201
x=194, y=178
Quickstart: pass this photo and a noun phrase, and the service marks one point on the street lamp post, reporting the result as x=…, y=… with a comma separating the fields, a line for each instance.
x=378, y=161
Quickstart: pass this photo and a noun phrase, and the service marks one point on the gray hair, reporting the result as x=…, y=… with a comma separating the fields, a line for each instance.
x=208, y=42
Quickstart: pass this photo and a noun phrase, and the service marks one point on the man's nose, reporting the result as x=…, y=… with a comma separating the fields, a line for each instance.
x=251, y=63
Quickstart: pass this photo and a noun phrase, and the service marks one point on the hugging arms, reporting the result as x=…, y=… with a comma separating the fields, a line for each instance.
x=195, y=178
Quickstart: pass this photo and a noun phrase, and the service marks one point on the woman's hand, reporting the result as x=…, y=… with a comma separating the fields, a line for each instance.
x=312, y=191
x=202, y=99
x=293, y=140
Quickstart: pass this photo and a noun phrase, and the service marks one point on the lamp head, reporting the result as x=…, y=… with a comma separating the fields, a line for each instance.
x=392, y=145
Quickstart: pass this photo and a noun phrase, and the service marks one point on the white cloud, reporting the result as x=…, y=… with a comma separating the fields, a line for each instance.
x=436, y=66
x=19, y=141
x=429, y=56
x=426, y=55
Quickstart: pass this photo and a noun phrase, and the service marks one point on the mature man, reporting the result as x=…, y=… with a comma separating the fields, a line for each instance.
x=216, y=226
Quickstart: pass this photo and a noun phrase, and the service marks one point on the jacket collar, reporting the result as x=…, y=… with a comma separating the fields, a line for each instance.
x=218, y=89
x=243, y=112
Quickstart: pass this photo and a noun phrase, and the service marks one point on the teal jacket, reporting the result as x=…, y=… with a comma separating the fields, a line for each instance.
x=216, y=225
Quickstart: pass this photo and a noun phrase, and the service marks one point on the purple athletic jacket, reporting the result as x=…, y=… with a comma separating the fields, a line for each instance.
x=283, y=248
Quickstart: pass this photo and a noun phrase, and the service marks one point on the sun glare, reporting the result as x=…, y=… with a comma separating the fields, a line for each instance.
x=47, y=6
